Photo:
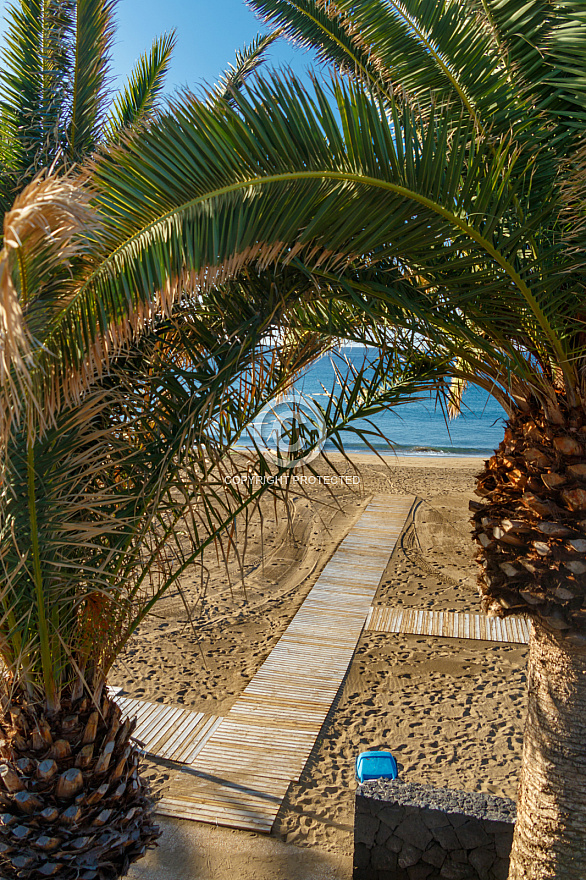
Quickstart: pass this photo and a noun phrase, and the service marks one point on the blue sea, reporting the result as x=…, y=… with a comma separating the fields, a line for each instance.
x=417, y=427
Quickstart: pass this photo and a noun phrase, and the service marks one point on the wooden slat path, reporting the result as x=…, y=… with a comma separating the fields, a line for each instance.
x=168, y=731
x=242, y=773
x=449, y=624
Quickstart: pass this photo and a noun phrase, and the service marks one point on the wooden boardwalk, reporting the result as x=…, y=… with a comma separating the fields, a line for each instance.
x=449, y=624
x=242, y=773
x=168, y=731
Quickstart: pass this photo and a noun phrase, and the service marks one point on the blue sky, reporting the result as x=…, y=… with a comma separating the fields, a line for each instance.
x=208, y=34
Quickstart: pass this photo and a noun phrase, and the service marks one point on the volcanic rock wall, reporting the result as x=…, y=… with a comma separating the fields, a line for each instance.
x=405, y=831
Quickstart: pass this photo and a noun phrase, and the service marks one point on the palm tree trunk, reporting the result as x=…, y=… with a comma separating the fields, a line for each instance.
x=550, y=835
x=72, y=802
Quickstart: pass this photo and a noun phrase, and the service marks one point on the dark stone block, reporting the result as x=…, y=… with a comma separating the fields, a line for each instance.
x=362, y=806
x=391, y=815
x=446, y=837
x=456, y=871
x=366, y=829
x=395, y=844
x=408, y=856
x=414, y=831
x=419, y=872
x=493, y=827
x=361, y=856
x=503, y=844
x=472, y=834
x=383, y=834
x=500, y=869
x=435, y=856
x=459, y=855
x=435, y=818
x=383, y=860
x=424, y=833
x=482, y=859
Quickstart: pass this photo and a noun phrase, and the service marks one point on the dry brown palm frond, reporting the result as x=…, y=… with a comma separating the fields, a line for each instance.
x=51, y=208
x=51, y=212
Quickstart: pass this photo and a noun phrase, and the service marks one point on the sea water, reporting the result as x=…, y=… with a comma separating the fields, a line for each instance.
x=420, y=427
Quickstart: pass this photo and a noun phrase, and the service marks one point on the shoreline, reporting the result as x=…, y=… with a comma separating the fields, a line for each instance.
x=368, y=457
x=423, y=461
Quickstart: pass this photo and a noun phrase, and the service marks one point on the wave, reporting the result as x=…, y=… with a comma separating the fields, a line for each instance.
x=414, y=449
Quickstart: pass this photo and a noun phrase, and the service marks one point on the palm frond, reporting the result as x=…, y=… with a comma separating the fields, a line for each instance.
x=94, y=32
x=332, y=34
x=44, y=224
x=247, y=61
x=419, y=47
x=90, y=511
x=544, y=45
x=284, y=175
x=34, y=83
x=139, y=97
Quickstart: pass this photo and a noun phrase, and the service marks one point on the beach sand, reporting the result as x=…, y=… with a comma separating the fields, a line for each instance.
x=450, y=710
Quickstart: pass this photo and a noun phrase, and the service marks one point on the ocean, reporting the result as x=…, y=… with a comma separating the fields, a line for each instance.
x=416, y=427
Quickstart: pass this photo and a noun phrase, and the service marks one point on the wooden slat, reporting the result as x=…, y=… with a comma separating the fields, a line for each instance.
x=182, y=732
x=447, y=624
x=243, y=770
x=168, y=732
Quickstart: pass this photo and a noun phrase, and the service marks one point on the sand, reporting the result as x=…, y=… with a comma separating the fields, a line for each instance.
x=450, y=710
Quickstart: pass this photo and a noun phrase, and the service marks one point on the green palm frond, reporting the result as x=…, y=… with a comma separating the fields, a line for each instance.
x=90, y=510
x=246, y=62
x=139, y=96
x=94, y=32
x=511, y=66
x=34, y=83
x=420, y=47
x=282, y=175
x=443, y=49
x=544, y=44
x=312, y=25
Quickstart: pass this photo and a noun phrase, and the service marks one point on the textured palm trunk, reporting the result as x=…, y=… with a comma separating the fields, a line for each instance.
x=72, y=804
x=531, y=529
x=550, y=835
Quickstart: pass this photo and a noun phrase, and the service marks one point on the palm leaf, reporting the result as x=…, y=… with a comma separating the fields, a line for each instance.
x=139, y=96
x=281, y=176
x=94, y=32
x=34, y=81
x=418, y=46
x=41, y=237
x=544, y=45
x=330, y=33
x=247, y=61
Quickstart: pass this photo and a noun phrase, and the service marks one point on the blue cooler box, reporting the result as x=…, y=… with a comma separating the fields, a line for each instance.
x=375, y=765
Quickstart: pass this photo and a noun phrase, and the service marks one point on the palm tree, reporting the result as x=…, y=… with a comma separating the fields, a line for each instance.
x=421, y=192
x=124, y=382
x=506, y=289
x=106, y=499
x=55, y=100
x=93, y=484
x=423, y=186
